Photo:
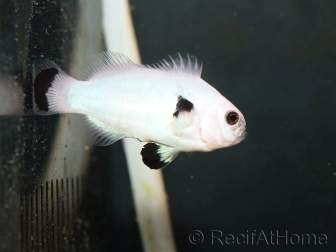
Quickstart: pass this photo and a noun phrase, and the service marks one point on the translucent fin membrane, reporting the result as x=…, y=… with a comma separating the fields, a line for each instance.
x=102, y=64
x=95, y=132
x=50, y=88
x=181, y=63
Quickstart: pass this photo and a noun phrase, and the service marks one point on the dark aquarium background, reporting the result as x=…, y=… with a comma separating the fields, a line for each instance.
x=275, y=60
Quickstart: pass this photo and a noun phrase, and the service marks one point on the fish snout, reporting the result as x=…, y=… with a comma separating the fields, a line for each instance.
x=240, y=134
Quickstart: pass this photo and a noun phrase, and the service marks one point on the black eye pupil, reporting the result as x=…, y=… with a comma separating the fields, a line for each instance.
x=232, y=118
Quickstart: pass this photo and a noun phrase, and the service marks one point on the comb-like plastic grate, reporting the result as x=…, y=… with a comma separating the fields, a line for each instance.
x=49, y=216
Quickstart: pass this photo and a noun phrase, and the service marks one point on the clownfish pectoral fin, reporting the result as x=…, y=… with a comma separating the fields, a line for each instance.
x=157, y=156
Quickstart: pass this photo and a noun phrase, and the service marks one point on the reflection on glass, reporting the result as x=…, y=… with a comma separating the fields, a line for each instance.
x=11, y=96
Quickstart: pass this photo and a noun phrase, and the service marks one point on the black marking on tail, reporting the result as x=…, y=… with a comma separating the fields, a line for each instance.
x=150, y=156
x=182, y=105
x=43, y=81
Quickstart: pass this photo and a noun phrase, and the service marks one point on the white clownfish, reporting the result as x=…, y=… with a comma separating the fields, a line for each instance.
x=167, y=105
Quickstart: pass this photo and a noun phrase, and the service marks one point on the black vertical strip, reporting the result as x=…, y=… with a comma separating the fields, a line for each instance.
x=76, y=210
x=27, y=223
x=24, y=223
x=58, y=217
x=73, y=197
x=37, y=242
x=62, y=215
x=73, y=213
x=32, y=224
x=69, y=238
x=42, y=217
x=22, y=209
x=53, y=226
x=47, y=216
x=78, y=193
x=68, y=203
x=82, y=186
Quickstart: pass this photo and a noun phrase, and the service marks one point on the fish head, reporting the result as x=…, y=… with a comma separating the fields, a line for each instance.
x=221, y=125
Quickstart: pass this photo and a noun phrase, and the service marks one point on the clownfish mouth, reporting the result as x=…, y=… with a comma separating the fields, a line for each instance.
x=240, y=134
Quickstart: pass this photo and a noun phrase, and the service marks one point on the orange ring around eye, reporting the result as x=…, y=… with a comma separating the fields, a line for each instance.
x=232, y=118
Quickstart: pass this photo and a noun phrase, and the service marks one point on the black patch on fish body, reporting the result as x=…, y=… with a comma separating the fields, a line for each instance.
x=43, y=81
x=150, y=156
x=182, y=105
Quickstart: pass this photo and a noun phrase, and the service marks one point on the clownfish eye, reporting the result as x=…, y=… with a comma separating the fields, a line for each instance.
x=232, y=118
